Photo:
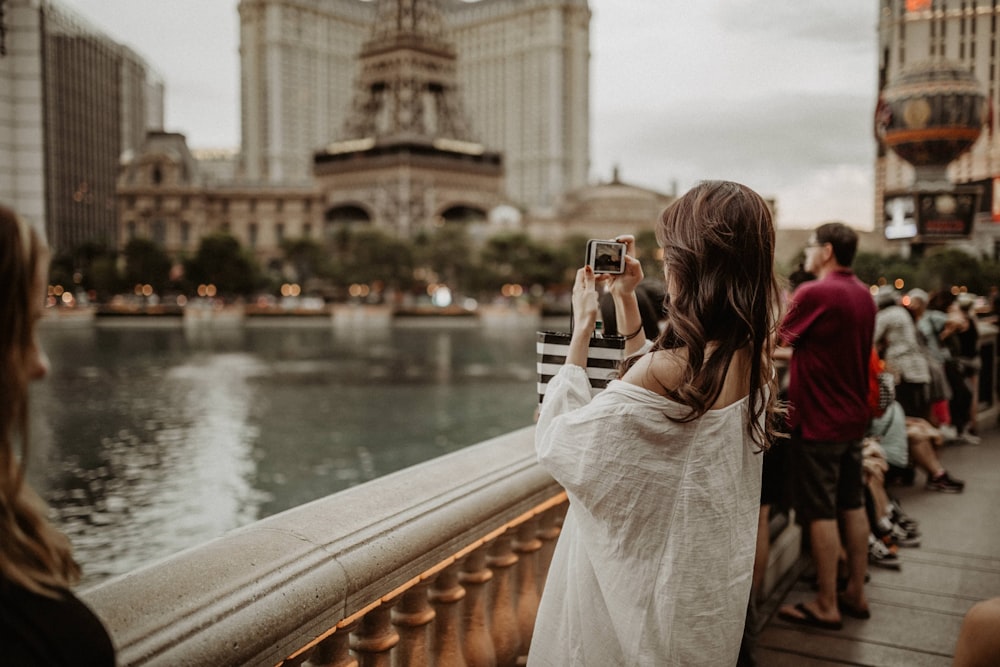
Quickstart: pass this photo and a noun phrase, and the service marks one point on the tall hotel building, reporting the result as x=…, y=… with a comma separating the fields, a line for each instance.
x=523, y=71
x=966, y=32
x=72, y=102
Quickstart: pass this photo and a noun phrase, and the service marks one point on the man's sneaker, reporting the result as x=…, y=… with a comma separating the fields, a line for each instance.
x=969, y=437
x=880, y=555
x=905, y=538
x=906, y=522
x=948, y=432
x=945, y=484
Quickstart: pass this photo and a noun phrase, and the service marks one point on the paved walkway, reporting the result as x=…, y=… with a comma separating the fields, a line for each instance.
x=916, y=611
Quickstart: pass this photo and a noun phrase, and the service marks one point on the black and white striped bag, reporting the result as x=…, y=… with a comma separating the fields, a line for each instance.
x=603, y=358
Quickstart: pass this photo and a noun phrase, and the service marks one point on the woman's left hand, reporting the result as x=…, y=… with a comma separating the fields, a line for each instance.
x=626, y=282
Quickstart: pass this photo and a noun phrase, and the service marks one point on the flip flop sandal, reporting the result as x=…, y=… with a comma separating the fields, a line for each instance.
x=852, y=611
x=809, y=619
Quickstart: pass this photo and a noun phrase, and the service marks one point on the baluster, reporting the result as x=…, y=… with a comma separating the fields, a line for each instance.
x=526, y=546
x=334, y=650
x=478, y=642
x=412, y=617
x=506, y=640
x=296, y=661
x=446, y=640
x=551, y=522
x=375, y=638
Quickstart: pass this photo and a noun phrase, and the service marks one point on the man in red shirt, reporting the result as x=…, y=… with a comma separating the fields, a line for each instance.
x=827, y=337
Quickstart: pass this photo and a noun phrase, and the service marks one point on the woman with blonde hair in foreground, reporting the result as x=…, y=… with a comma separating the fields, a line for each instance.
x=663, y=468
x=41, y=622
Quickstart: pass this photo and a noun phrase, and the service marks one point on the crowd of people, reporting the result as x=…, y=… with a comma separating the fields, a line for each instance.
x=878, y=384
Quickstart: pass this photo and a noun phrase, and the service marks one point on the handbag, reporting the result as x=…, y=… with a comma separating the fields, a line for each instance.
x=604, y=354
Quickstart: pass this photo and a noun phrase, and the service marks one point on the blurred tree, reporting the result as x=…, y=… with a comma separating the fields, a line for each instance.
x=146, y=263
x=221, y=261
x=447, y=253
x=307, y=259
x=948, y=267
x=104, y=279
x=76, y=269
x=369, y=256
x=514, y=257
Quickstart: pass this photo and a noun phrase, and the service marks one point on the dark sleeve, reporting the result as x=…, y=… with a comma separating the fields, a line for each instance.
x=47, y=631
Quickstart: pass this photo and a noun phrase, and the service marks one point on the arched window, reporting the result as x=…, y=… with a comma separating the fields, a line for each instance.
x=464, y=214
x=349, y=214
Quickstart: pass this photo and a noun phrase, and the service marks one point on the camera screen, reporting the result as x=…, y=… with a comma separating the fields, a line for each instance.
x=606, y=256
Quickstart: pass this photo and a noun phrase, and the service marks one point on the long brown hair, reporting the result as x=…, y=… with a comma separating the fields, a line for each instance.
x=33, y=554
x=718, y=253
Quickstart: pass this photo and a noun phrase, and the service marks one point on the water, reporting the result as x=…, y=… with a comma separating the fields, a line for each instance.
x=146, y=441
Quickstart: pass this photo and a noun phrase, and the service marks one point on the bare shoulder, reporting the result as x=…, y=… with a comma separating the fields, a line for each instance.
x=658, y=371
x=663, y=370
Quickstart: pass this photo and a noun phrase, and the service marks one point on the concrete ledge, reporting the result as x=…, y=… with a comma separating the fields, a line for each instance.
x=262, y=592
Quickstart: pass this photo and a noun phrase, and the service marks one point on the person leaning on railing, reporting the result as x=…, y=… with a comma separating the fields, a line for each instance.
x=41, y=622
x=663, y=467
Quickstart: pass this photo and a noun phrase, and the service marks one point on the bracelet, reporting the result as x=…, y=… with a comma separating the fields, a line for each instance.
x=634, y=333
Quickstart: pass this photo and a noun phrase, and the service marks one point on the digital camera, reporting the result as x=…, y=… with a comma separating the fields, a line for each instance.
x=606, y=256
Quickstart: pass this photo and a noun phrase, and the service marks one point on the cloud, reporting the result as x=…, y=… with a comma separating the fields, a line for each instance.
x=780, y=98
x=769, y=136
x=851, y=24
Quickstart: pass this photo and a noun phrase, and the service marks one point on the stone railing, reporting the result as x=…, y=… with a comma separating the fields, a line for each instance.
x=439, y=564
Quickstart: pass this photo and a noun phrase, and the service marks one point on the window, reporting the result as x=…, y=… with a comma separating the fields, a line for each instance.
x=159, y=231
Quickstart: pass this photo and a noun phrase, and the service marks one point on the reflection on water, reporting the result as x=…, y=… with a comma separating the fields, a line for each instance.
x=147, y=441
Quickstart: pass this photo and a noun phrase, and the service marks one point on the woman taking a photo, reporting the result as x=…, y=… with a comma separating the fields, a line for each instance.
x=663, y=468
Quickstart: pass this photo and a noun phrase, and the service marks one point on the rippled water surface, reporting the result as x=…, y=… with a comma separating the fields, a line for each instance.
x=147, y=441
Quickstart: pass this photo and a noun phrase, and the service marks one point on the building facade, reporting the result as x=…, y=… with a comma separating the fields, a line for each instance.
x=964, y=32
x=72, y=101
x=167, y=195
x=523, y=73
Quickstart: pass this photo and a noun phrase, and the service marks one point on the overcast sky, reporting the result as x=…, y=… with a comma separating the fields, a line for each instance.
x=777, y=95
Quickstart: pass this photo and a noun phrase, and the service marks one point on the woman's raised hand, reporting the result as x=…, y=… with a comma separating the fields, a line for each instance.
x=585, y=306
x=626, y=282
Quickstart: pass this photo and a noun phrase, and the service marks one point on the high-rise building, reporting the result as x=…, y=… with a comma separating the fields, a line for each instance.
x=524, y=70
x=72, y=102
x=298, y=61
x=523, y=74
x=964, y=32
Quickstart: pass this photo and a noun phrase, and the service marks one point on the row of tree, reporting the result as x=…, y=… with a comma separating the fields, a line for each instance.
x=363, y=256
x=447, y=255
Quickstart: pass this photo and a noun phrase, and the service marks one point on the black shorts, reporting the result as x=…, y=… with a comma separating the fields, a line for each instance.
x=915, y=398
x=826, y=478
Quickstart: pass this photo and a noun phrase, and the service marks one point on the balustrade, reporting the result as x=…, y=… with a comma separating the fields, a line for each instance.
x=439, y=564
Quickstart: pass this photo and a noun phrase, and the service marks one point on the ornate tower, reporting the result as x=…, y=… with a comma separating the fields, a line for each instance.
x=406, y=160
x=407, y=86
